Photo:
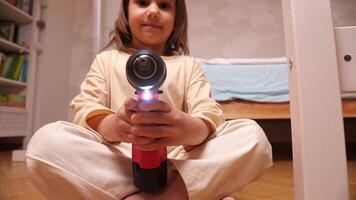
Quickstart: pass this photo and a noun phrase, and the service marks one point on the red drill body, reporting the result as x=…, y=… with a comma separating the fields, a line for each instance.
x=149, y=167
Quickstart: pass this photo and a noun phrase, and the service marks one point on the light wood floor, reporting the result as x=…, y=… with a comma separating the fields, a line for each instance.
x=275, y=184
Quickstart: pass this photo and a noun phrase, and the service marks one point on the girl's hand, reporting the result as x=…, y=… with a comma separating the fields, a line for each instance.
x=166, y=126
x=116, y=127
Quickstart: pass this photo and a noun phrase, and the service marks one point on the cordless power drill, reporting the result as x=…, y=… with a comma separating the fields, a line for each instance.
x=146, y=72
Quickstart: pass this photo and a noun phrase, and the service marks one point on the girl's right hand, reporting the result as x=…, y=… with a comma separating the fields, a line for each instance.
x=117, y=127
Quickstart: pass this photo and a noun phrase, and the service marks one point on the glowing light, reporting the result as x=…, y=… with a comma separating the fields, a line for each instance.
x=146, y=88
x=147, y=95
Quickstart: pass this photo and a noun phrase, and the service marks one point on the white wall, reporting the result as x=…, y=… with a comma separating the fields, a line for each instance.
x=344, y=12
x=51, y=98
x=83, y=48
x=236, y=28
x=109, y=15
x=245, y=28
x=68, y=51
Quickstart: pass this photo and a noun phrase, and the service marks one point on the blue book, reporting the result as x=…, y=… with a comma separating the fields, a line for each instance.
x=23, y=76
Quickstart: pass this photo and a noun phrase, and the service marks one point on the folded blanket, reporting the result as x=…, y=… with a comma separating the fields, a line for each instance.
x=260, y=80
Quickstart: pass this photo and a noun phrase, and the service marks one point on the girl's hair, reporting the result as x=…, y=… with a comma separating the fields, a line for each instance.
x=177, y=43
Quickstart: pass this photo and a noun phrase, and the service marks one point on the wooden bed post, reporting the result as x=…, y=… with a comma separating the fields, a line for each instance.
x=319, y=156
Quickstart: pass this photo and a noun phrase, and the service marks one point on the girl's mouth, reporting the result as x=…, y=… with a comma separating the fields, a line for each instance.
x=154, y=26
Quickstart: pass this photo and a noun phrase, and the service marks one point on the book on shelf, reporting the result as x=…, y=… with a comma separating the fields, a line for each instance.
x=9, y=31
x=14, y=67
x=10, y=71
x=18, y=68
x=2, y=56
x=5, y=64
x=26, y=6
x=23, y=74
x=13, y=100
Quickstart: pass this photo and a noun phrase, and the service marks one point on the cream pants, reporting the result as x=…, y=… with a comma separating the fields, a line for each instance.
x=67, y=161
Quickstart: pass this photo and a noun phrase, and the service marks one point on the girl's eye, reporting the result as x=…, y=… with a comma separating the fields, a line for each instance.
x=142, y=3
x=165, y=5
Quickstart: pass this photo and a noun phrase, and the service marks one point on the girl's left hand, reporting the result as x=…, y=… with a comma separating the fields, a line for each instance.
x=167, y=126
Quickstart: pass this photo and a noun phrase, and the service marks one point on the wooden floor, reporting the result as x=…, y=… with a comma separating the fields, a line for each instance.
x=275, y=184
x=15, y=183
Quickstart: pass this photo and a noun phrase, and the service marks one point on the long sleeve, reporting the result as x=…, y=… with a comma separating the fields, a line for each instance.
x=93, y=99
x=198, y=98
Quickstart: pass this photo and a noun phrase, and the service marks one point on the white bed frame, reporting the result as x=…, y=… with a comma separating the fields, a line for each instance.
x=319, y=156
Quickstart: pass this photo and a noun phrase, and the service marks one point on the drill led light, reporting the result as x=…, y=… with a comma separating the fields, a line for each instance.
x=147, y=95
x=146, y=88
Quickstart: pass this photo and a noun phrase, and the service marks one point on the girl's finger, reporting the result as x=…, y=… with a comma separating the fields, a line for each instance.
x=156, y=144
x=141, y=140
x=155, y=105
x=150, y=118
x=131, y=105
x=122, y=125
x=124, y=115
x=124, y=137
x=129, y=138
x=152, y=131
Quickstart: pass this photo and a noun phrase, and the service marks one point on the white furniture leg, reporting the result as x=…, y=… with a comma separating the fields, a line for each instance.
x=319, y=157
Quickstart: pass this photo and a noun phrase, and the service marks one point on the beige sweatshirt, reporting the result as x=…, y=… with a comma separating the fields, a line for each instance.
x=106, y=88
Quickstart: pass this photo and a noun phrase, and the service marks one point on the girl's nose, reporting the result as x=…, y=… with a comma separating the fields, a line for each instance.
x=153, y=11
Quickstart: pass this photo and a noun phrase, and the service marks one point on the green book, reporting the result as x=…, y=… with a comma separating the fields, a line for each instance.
x=18, y=69
x=7, y=63
x=11, y=71
x=2, y=61
x=19, y=4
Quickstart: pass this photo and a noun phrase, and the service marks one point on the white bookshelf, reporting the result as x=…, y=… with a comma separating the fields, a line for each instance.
x=13, y=121
x=17, y=122
x=11, y=13
x=8, y=82
x=12, y=47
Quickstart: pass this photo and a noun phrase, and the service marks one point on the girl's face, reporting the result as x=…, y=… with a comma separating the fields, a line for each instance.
x=151, y=23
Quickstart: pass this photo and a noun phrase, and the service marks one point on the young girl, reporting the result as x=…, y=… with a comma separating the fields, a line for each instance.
x=208, y=158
